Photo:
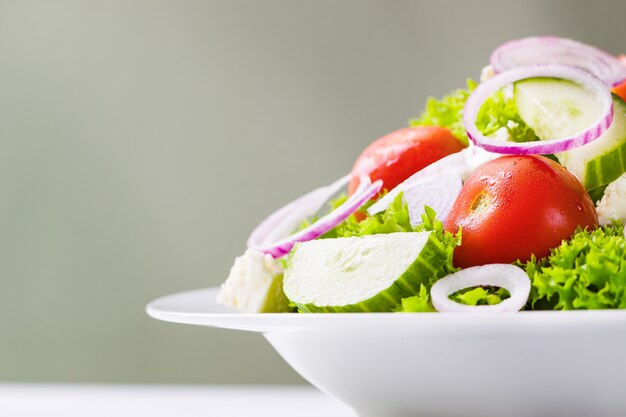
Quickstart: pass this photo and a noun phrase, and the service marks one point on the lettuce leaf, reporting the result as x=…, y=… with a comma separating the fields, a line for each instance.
x=419, y=303
x=447, y=112
x=479, y=296
x=394, y=219
x=586, y=272
x=500, y=111
x=449, y=241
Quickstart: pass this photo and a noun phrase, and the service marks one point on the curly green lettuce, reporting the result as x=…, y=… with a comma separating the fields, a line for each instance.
x=500, y=111
x=394, y=219
x=479, y=296
x=430, y=223
x=586, y=272
x=447, y=112
x=419, y=303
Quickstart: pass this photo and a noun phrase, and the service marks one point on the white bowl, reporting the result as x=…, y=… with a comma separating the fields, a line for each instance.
x=539, y=364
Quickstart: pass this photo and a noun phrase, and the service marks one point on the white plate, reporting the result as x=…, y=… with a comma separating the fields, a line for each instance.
x=384, y=364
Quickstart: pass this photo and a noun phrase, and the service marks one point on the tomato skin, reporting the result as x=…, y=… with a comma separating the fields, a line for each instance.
x=398, y=155
x=620, y=90
x=516, y=206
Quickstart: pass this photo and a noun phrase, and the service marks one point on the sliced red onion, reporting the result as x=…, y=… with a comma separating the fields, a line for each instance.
x=263, y=238
x=553, y=50
x=462, y=163
x=285, y=220
x=578, y=76
x=509, y=277
x=437, y=192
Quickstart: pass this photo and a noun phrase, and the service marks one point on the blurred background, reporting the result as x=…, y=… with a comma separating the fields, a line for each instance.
x=142, y=140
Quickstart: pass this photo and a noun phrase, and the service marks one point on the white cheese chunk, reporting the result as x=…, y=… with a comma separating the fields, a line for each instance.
x=254, y=284
x=613, y=203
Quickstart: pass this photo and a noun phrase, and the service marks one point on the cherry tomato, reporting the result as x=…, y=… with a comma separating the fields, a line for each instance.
x=398, y=155
x=516, y=206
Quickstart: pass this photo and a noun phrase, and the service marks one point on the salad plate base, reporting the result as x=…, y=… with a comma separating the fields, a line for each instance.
x=525, y=364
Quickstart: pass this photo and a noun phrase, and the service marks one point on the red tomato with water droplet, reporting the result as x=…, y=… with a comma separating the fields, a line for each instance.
x=398, y=155
x=517, y=206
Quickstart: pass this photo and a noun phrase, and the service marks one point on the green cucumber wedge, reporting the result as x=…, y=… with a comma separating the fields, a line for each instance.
x=360, y=274
x=558, y=108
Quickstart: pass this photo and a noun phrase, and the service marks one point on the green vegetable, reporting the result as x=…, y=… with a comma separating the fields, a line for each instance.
x=362, y=273
x=473, y=296
x=447, y=112
x=500, y=111
x=481, y=296
x=559, y=108
x=586, y=272
x=419, y=303
x=449, y=241
x=437, y=252
x=394, y=219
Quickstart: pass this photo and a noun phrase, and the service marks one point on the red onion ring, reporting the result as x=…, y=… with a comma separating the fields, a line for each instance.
x=489, y=87
x=265, y=239
x=509, y=277
x=287, y=218
x=553, y=50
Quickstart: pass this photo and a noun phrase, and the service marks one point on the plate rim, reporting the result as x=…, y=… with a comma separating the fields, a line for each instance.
x=266, y=322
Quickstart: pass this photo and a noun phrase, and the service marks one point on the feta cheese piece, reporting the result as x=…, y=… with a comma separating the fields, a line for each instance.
x=255, y=285
x=613, y=203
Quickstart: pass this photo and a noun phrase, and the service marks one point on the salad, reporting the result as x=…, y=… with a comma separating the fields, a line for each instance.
x=506, y=195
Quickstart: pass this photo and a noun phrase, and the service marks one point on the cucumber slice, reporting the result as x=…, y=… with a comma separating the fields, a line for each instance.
x=604, y=160
x=366, y=273
x=558, y=108
x=555, y=108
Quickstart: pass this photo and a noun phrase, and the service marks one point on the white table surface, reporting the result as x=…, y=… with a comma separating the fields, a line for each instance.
x=69, y=400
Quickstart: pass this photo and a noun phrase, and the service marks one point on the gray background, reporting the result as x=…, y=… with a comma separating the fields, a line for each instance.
x=140, y=141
